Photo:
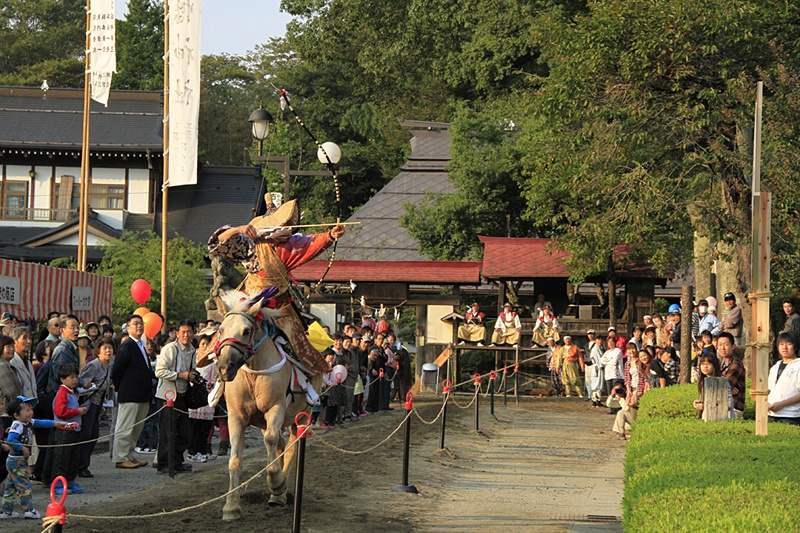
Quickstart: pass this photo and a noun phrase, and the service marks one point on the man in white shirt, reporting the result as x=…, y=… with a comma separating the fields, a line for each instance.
x=507, y=328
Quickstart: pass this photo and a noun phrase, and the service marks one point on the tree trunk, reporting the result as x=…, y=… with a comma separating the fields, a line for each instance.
x=702, y=253
x=612, y=303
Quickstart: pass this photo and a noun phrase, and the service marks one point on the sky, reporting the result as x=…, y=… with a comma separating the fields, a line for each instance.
x=234, y=26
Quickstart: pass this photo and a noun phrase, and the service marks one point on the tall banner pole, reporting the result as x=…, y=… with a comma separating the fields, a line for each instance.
x=165, y=184
x=760, y=287
x=87, y=88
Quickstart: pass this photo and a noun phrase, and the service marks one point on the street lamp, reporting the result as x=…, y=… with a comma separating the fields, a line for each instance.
x=331, y=150
x=260, y=119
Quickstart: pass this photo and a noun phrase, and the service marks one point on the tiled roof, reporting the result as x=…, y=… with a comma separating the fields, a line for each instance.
x=422, y=272
x=131, y=122
x=380, y=237
x=505, y=257
x=222, y=195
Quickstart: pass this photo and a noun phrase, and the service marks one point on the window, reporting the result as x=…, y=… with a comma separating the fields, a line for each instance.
x=76, y=196
x=16, y=199
x=106, y=196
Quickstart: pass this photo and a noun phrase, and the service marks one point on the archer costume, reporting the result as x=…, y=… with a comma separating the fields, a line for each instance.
x=268, y=262
x=546, y=327
x=509, y=326
x=473, y=329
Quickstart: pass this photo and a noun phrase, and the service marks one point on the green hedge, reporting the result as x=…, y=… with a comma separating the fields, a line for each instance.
x=676, y=402
x=682, y=474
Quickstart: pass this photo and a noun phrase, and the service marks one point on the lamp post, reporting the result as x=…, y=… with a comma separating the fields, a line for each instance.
x=260, y=120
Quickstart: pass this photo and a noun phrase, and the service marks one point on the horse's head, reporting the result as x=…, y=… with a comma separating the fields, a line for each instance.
x=236, y=334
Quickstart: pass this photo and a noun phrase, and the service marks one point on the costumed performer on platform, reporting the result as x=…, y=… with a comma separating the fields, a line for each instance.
x=546, y=326
x=268, y=259
x=472, y=329
x=507, y=328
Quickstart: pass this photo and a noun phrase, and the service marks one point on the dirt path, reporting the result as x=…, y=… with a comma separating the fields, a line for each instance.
x=541, y=466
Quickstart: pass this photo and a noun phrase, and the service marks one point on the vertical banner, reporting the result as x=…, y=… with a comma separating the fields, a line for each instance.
x=103, y=49
x=184, y=90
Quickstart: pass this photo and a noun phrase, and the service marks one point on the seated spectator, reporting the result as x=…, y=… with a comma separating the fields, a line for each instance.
x=473, y=329
x=784, y=383
x=507, y=328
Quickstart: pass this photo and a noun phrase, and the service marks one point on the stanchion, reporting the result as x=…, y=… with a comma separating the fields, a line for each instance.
x=302, y=434
x=57, y=508
x=477, y=398
x=446, y=391
x=339, y=407
x=380, y=391
x=505, y=385
x=516, y=382
x=171, y=450
x=404, y=486
x=492, y=375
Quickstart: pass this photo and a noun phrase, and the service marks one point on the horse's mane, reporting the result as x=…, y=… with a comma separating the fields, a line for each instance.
x=242, y=302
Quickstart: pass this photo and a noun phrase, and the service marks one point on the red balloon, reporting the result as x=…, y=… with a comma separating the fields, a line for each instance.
x=140, y=290
x=152, y=325
x=142, y=312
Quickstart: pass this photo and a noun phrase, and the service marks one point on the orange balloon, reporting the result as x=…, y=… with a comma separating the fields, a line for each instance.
x=152, y=325
x=142, y=312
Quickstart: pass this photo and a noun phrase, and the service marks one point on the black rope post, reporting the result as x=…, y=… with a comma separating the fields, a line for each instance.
x=492, y=375
x=505, y=385
x=516, y=382
x=477, y=399
x=404, y=486
x=302, y=434
x=57, y=508
x=446, y=391
x=380, y=391
x=170, y=407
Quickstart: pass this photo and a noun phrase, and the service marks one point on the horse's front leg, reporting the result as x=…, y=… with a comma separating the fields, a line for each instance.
x=272, y=435
x=236, y=427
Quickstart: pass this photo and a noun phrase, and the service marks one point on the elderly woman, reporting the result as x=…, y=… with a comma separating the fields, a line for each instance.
x=96, y=371
x=10, y=381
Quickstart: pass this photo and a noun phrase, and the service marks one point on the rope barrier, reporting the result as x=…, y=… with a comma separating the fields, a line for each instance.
x=469, y=404
x=192, y=507
x=437, y=416
x=350, y=452
x=94, y=440
x=51, y=521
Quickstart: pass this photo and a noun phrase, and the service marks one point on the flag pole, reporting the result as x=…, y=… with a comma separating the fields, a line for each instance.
x=82, y=208
x=165, y=187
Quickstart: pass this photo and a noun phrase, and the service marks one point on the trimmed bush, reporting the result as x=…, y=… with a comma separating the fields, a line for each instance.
x=676, y=402
x=682, y=474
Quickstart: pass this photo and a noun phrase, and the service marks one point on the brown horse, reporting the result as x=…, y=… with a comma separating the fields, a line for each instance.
x=256, y=396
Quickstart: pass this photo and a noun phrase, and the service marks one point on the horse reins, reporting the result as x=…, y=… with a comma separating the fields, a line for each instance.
x=247, y=349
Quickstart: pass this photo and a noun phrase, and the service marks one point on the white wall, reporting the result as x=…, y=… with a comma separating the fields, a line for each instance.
x=436, y=331
x=326, y=314
x=108, y=176
x=72, y=240
x=138, y=190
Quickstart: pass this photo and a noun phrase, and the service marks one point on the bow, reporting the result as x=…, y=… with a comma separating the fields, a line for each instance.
x=284, y=97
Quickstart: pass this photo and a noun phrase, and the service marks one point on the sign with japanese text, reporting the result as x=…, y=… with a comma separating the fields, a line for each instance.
x=184, y=90
x=81, y=298
x=102, y=49
x=9, y=290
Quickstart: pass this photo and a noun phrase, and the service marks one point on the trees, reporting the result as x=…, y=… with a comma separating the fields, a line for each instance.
x=42, y=40
x=140, y=47
x=138, y=255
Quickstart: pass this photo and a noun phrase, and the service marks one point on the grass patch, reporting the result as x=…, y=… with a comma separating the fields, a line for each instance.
x=682, y=474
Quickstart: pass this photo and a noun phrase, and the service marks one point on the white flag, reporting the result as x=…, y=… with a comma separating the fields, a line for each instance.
x=102, y=49
x=184, y=90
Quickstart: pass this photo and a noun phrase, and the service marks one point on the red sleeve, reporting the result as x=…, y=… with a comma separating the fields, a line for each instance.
x=60, y=408
x=299, y=250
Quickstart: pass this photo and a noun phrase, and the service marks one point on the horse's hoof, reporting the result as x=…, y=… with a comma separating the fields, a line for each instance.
x=277, y=500
x=229, y=515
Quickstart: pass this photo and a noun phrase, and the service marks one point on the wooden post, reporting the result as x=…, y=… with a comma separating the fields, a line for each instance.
x=759, y=292
x=165, y=185
x=715, y=399
x=87, y=91
x=686, y=332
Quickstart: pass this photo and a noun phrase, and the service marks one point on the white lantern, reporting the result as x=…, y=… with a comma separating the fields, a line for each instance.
x=333, y=151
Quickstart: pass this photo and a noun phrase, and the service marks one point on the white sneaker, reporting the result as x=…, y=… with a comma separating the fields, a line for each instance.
x=491, y=345
x=515, y=346
x=140, y=450
x=33, y=513
x=480, y=344
x=210, y=457
x=461, y=343
x=197, y=458
x=568, y=396
x=12, y=514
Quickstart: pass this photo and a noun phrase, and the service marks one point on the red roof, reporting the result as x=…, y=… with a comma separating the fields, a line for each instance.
x=510, y=258
x=423, y=272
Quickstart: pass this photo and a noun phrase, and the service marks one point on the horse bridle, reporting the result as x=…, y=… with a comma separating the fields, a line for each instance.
x=247, y=349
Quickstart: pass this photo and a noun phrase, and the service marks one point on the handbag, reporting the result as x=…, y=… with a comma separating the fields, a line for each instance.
x=197, y=394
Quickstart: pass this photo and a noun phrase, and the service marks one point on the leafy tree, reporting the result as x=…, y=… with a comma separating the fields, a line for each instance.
x=42, y=40
x=138, y=255
x=140, y=47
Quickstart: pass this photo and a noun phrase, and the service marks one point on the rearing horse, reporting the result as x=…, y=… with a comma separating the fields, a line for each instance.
x=256, y=396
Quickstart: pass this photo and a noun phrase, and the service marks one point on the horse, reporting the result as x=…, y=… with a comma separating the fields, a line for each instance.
x=256, y=396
